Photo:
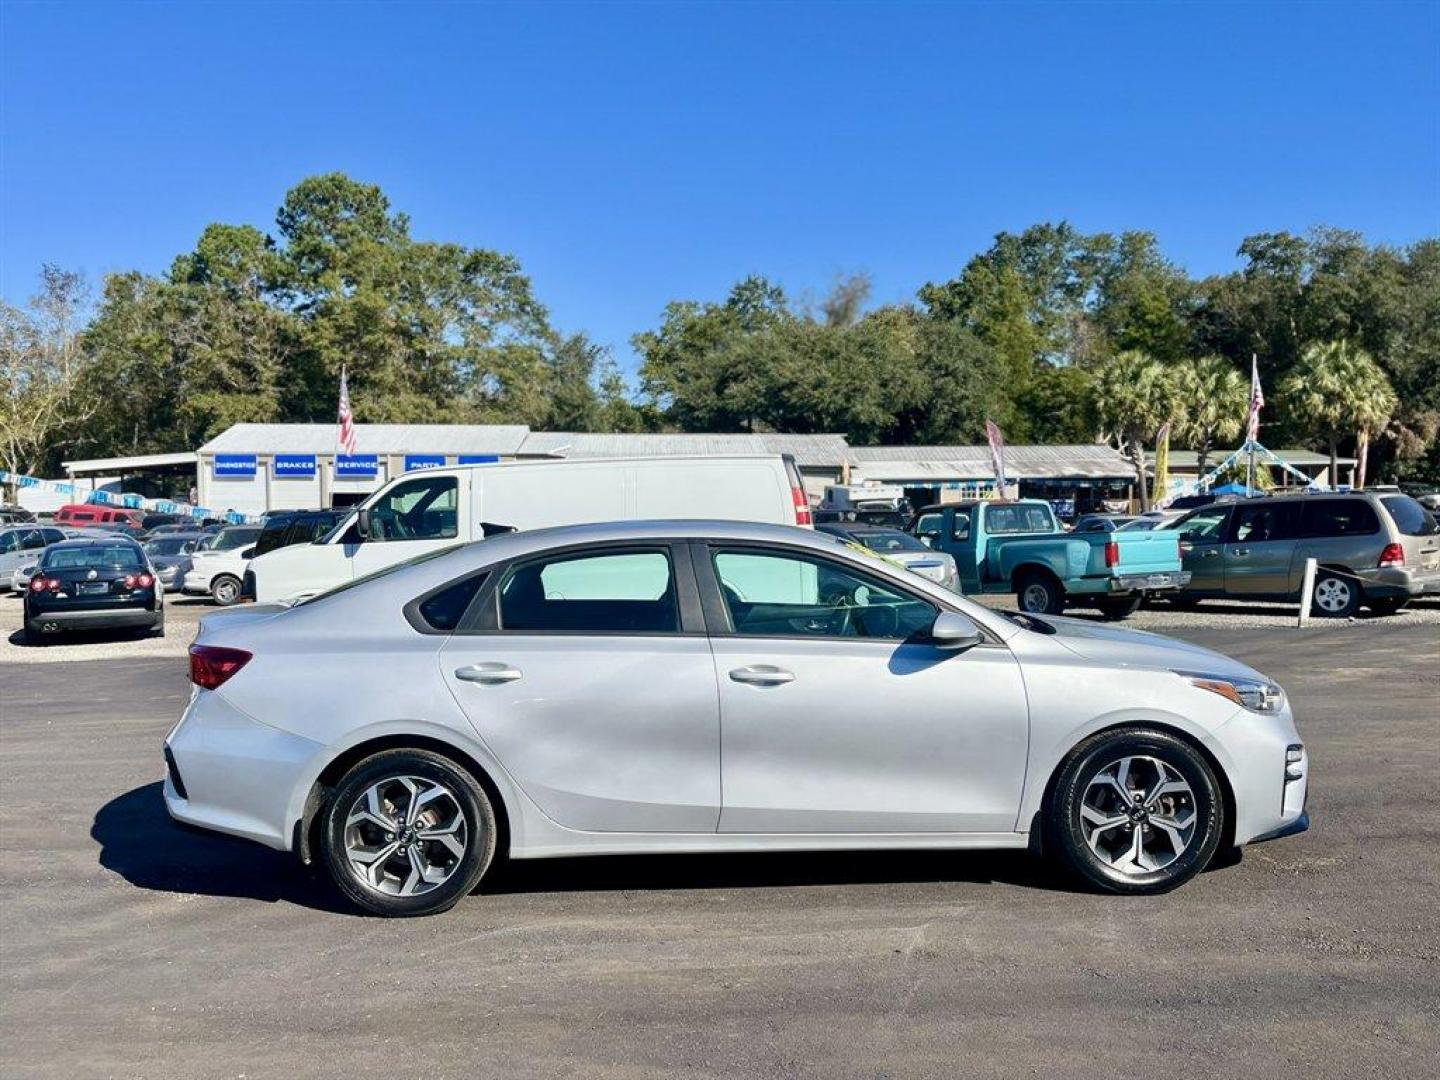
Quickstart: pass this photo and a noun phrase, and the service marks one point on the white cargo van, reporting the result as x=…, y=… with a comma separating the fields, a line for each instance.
x=435, y=508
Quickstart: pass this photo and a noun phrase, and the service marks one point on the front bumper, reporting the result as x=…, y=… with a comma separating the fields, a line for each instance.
x=196, y=581
x=1270, y=792
x=239, y=776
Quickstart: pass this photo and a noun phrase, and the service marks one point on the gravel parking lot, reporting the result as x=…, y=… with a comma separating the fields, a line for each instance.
x=132, y=948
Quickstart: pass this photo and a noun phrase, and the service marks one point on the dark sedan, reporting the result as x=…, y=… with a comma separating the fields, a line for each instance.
x=101, y=583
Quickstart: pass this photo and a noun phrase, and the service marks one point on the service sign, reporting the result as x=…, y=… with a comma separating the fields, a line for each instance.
x=294, y=466
x=423, y=461
x=357, y=466
x=229, y=465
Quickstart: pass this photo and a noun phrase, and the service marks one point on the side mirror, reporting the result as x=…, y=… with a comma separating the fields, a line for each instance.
x=362, y=523
x=248, y=553
x=951, y=630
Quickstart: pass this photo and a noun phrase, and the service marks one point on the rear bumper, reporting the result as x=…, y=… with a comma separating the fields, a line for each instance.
x=238, y=775
x=1397, y=582
x=47, y=622
x=1161, y=581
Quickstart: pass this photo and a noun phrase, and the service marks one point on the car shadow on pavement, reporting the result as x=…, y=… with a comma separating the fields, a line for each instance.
x=139, y=841
x=772, y=870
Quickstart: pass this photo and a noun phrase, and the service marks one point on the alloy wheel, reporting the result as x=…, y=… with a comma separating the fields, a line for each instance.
x=1333, y=595
x=1138, y=815
x=405, y=835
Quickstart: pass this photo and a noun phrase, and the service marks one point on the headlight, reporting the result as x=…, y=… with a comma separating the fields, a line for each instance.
x=1257, y=695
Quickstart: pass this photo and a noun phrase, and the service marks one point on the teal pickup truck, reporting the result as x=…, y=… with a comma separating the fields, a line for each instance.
x=1019, y=547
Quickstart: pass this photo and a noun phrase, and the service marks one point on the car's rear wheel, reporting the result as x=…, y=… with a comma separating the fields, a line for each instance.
x=1136, y=811
x=1040, y=594
x=225, y=590
x=33, y=636
x=1336, y=596
x=1117, y=609
x=407, y=832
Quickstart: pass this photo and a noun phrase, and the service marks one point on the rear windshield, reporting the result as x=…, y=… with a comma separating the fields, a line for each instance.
x=1017, y=519
x=889, y=541
x=124, y=556
x=168, y=545
x=1411, y=518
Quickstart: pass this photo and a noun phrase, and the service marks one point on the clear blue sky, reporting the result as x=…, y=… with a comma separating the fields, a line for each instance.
x=634, y=155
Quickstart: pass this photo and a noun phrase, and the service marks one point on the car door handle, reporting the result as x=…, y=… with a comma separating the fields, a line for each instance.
x=1240, y=551
x=1212, y=554
x=490, y=674
x=762, y=675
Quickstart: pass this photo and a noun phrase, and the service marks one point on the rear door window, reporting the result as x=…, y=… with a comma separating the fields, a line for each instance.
x=1338, y=517
x=1255, y=524
x=628, y=593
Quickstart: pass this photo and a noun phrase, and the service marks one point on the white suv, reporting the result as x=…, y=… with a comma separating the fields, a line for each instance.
x=219, y=567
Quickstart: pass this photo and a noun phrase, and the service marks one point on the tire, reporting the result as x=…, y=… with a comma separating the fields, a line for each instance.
x=1106, y=856
x=158, y=630
x=1337, y=596
x=33, y=637
x=1115, y=610
x=1039, y=594
x=393, y=888
x=225, y=590
x=1389, y=605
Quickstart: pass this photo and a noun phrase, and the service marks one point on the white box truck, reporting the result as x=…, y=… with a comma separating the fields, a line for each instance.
x=428, y=509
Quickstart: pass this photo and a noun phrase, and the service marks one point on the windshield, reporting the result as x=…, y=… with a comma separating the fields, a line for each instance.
x=229, y=539
x=1411, y=518
x=167, y=545
x=885, y=542
x=124, y=556
x=375, y=575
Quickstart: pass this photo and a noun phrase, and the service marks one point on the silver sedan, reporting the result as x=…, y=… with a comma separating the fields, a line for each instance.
x=711, y=687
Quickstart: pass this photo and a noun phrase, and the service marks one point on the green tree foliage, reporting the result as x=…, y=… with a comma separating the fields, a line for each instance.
x=43, y=367
x=250, y=327
x=1337, y=390
x=1217, y=401
x=1134, y=395
x=755, y=363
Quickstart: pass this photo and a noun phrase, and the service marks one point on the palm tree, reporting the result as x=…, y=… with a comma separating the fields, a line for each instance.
x=1216, y=398
x=1337, y=388
x=1134, y=395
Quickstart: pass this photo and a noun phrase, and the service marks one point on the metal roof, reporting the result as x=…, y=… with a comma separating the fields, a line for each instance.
x=808, y=450
x=120, y=464
x=1188, y=458
x=1091, y=461
x=370, y=439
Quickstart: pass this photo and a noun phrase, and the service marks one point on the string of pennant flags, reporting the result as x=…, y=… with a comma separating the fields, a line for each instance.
x=126, y=501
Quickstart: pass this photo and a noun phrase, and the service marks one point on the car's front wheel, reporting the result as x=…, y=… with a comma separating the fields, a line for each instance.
x=225, y=590
x=407, y=832
x=1135, y=810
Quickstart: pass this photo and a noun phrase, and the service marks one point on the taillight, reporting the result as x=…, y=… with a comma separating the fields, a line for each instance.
x=139, y=581
x=40, y=584
x=1112, y=554
x=802, y=506
x=211, y=666
x=1393, y=555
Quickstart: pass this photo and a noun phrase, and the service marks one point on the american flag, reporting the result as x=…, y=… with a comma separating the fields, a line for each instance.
x=1257, y=401
x=347, y=419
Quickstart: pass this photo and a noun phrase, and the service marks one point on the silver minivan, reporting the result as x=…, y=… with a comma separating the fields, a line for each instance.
x=1380, y=550
x=21, y=544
